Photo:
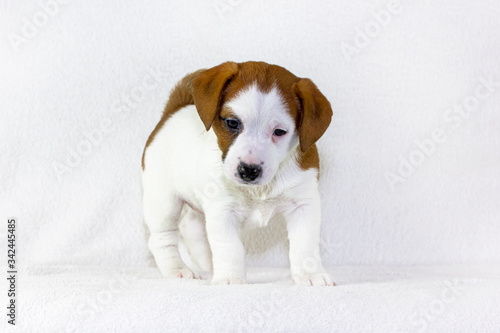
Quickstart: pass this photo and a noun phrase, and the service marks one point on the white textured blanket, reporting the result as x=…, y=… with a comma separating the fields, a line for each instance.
x=409, y=168
x=367, y=299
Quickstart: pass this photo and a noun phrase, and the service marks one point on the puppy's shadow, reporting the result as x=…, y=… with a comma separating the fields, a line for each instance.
x=260, y=240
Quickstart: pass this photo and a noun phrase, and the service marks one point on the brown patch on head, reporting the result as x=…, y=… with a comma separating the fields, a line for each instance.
x=307, y=105
x=210, y=89
x=265, y=76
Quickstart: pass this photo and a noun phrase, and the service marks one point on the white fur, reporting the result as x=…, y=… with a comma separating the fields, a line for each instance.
x=183, y=165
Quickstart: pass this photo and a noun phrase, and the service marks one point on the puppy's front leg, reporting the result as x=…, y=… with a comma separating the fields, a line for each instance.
x=228, y=253
x=303, y=224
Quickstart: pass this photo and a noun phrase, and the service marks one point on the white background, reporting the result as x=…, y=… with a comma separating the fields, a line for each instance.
x=70, y=77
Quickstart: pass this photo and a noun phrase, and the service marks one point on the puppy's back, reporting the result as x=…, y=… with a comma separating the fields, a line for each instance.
x=180, y=96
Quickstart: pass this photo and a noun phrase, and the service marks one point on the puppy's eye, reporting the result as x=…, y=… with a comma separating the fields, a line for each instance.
x=279, y=132
x=232, y=124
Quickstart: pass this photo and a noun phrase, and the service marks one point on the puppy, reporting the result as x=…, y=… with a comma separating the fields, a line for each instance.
x=236, y=144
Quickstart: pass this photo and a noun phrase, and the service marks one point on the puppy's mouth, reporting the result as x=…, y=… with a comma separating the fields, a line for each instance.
x=245, y=182
x=241, y=181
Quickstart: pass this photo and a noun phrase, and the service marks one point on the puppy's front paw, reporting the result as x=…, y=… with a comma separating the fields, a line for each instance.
x=313, y=279
x=226, y=281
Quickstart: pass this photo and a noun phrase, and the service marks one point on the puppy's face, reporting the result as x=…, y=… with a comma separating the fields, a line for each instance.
x=260, y=113
x=256, y=132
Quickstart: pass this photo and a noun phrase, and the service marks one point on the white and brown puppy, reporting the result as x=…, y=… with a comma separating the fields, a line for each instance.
x=236, y=144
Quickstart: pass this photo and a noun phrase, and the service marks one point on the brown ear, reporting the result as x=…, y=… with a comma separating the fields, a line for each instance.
x=315, y=113
x=207, y=90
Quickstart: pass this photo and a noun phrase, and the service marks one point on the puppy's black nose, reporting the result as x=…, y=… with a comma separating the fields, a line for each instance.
x=249, y=172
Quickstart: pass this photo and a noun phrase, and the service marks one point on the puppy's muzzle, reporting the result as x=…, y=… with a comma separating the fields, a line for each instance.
x=249, y=172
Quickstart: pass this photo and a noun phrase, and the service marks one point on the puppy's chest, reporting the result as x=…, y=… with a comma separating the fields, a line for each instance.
x=256, y=213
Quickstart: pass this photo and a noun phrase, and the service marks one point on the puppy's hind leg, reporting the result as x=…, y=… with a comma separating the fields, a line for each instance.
x=161, y=213
x=193, y=232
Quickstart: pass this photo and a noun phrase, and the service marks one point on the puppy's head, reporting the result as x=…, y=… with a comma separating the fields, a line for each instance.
x=260, y=113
